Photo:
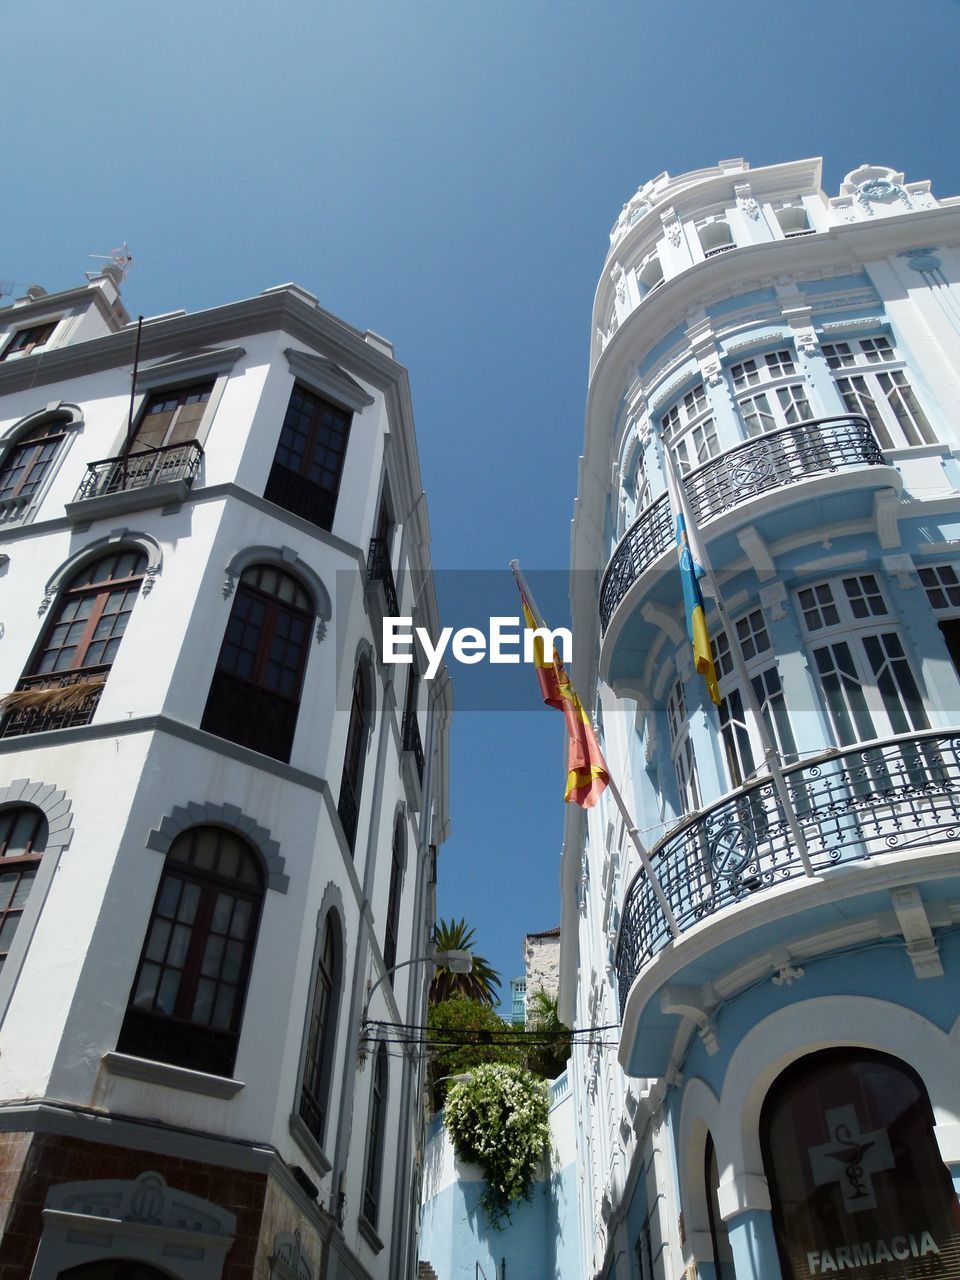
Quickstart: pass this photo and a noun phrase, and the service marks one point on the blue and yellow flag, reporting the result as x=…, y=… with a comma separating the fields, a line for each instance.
x=693, y=568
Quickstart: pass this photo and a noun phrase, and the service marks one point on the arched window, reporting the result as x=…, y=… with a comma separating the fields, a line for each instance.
x=322, y=1031
x=360, y=717
x=719, y=1237
x=187, y=998
x=27, y=463
x=392, y=926
x=63, y=683
x=255, y=693
x=376, y=1127
x=856, y=1177
x=23, y=838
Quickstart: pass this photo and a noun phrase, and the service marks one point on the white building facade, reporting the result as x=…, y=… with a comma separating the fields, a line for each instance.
x=785, y=1097
x=219, y=810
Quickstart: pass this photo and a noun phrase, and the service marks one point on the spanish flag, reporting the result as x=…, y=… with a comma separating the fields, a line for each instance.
x=693, y=568
x=586, y=768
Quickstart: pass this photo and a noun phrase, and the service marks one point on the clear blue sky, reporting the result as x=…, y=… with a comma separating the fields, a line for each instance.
x=445, y=173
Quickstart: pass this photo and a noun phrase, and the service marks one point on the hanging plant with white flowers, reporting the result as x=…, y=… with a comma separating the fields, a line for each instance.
x=499, y=1120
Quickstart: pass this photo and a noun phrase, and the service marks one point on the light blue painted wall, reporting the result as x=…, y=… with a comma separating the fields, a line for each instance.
x=540, y=1241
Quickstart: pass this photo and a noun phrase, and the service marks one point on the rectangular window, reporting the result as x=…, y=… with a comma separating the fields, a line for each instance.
x=25, y=340
x=171, y=417
x=308, y=464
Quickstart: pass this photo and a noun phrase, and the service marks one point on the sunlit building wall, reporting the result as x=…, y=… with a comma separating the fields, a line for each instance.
x=219, y=810
x=779, y=1090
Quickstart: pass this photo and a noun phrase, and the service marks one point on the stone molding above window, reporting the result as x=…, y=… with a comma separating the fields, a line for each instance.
x=327, y=379
x=182, y=817
x=116, y=538
x=143, y=1220
x=202, y=364
x=289, y=559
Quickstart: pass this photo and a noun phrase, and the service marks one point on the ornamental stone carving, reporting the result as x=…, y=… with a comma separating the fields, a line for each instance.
x=745, y=201
x=672, y=227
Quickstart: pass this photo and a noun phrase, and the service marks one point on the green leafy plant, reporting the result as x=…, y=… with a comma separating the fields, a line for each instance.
x=499, y=1120
x=463, y=1034
x=480, y=984
x=550, y=1047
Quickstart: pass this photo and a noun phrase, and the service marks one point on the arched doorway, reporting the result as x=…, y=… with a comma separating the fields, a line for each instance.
x=857, y=1182
x=116, y=1269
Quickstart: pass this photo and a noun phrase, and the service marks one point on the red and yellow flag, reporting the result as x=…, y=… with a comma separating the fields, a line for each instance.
x=587, y=774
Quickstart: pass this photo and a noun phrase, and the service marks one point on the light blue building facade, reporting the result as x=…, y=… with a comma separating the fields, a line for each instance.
x=778, y=1090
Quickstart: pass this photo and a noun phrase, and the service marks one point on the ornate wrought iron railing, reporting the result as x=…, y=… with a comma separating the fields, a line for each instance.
x=58, y=701
x=147, y=466
x=852, y=804
x=379, y=570
x=771, y=461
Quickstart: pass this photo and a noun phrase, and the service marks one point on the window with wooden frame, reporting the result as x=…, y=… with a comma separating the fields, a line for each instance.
x=308, y=464
x=348, y=806
x=186, y=1003
x=376, y=1128
x=27, y=463
x=171, y=417
x=255, y=693
x=23, y=838
x=26, y=340
x=66, y=677
x=322, y=1031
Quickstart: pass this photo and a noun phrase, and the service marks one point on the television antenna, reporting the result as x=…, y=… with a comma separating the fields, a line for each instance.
x=119, y=259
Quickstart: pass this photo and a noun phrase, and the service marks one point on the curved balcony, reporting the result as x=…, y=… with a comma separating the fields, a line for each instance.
x=852, y=804
x=775, y=460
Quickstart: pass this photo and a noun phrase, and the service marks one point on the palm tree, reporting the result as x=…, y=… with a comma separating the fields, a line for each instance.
x=480, y=984
x=551, y=1038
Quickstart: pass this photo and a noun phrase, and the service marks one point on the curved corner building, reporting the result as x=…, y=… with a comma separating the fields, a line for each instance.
x=785, y=1098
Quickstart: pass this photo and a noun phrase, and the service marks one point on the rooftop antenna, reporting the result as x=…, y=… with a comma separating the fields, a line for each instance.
x=118, y=263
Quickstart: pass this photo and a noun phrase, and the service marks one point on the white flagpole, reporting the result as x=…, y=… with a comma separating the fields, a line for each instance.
x=612, y=787
x=711, y=587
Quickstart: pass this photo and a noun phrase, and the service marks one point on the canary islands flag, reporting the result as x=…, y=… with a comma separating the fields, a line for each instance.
x=694, y=576
x=587, y=774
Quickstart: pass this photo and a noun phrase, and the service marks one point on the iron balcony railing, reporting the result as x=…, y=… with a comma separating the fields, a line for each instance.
x=145, y=467
x=378, y=570
x=411, y=740
x=771, y=461
x=53, y=701
x=852, y=804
